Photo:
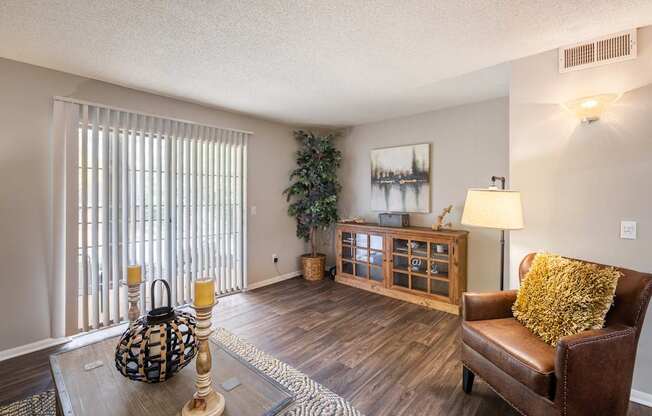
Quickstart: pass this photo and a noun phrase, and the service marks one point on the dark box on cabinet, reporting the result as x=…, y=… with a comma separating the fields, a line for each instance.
x=394, y=220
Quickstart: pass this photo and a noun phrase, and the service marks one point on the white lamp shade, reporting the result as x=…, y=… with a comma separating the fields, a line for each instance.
x=493, y=208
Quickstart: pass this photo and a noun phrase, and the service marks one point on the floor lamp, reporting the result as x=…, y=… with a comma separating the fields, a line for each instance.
x=494, y=208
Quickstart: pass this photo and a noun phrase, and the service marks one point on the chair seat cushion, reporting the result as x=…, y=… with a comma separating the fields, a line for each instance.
x=515, y=350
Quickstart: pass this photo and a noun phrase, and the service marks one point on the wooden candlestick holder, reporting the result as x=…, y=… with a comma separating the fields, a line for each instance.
x=133, y=297
x=206, y=401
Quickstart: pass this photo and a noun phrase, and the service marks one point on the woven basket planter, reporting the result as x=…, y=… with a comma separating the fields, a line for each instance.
x=313, y=266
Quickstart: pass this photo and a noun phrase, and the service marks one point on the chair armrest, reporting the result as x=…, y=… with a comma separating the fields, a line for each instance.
x=594, y=371
x=494, y=305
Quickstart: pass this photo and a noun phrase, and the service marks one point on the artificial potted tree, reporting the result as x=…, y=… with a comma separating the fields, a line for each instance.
x=313, y=194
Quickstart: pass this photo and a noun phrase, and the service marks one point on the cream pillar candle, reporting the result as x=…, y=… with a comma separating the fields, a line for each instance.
x=134, y=275
x=204, y=293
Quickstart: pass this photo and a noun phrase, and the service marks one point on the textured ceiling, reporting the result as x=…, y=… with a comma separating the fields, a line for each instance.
x=330, y=62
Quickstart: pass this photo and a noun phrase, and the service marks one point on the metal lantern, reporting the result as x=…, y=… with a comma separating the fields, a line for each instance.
x=158, y=345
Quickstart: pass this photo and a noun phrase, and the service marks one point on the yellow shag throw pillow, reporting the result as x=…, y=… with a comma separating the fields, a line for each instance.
x=560, y=297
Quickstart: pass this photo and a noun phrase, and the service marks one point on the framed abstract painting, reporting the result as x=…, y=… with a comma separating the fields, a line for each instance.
x=400, y=179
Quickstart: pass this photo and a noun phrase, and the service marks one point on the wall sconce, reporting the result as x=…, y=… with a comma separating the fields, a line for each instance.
x=589, y=109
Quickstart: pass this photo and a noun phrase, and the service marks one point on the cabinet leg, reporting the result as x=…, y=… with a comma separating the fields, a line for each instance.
x=467, y=380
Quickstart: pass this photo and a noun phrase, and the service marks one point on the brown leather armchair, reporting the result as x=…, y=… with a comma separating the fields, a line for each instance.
x=586, y=374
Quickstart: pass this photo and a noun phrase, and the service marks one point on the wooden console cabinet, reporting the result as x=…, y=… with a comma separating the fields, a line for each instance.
x=414, y=264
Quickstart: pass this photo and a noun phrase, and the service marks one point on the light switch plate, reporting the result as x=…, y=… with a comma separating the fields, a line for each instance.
x=628, y=230
x=253, y=210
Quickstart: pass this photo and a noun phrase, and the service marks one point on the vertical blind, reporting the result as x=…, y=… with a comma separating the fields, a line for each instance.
x=166, y=194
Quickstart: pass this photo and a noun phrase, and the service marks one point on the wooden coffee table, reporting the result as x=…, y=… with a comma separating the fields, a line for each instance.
x=104, y=391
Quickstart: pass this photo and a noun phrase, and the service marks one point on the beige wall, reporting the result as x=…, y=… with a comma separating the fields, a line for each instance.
x=579, y=181
x=468, y=145
x=26, y=104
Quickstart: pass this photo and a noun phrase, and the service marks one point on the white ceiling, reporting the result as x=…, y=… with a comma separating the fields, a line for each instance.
x=329, y=62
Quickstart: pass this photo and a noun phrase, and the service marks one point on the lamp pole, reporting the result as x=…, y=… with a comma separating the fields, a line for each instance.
x=502, y=234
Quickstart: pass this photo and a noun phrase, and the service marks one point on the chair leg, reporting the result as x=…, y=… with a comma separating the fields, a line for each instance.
x=467, y=380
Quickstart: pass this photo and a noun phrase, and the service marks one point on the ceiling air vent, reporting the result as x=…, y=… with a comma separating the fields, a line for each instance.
x=601, y=51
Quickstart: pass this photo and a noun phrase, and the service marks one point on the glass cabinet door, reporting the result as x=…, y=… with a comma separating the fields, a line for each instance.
x=362, y=255
x=420, y=265
x=347, y=253
x=376, y=258
x=439, y=261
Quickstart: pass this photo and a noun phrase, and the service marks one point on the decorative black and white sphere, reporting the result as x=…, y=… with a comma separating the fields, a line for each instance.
x=158, y=345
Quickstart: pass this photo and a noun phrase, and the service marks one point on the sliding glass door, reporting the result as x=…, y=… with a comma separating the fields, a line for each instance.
x=166, y=194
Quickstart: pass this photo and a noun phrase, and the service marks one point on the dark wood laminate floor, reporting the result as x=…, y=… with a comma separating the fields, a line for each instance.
x=385, y=356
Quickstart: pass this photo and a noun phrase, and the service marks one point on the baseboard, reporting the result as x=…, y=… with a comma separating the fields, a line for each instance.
x=273, y=280
x=31, y=347
x=641, y=398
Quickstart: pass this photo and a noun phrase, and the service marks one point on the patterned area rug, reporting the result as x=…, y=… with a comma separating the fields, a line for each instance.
x=311, y=398
x=39, y=404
